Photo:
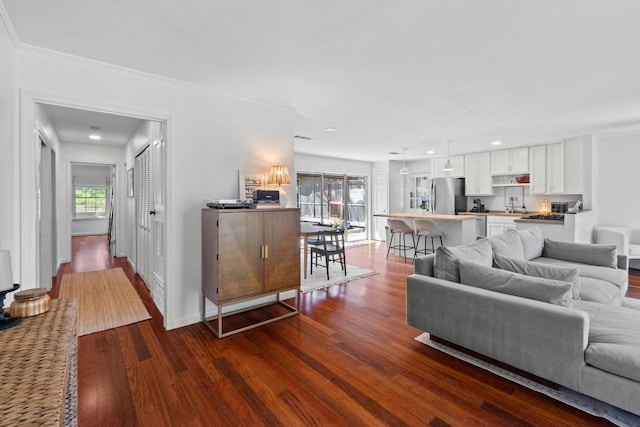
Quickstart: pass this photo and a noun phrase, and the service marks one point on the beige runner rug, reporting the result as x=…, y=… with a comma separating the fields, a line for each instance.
x=106, y=300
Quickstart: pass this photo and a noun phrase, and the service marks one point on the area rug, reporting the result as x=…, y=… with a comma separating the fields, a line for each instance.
x=318, y=280
x=106, y=300
x=577, y=400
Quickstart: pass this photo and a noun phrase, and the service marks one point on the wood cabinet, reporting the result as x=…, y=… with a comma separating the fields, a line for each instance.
x=247, y=254
x=477, y=168
x=547, y=169
x=510, y=162
x=458, y=167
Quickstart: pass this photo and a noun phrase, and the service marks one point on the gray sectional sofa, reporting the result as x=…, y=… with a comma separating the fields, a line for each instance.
x=554, y=309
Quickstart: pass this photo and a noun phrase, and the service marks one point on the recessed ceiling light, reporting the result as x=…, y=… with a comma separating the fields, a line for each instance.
x=94, y=136
x=331, y=129
x=430, y=152
x=496, y=142
x=394, y=153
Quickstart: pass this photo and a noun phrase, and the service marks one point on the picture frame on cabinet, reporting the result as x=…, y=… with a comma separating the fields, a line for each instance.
x=248, y=182
x=130, y=183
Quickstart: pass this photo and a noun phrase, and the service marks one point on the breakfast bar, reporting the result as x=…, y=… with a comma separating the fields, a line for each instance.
x=458, y=229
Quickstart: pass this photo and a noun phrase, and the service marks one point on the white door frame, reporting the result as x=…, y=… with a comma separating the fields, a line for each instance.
x=28, y=242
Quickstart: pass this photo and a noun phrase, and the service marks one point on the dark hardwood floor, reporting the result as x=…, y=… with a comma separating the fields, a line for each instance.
x=348, y=359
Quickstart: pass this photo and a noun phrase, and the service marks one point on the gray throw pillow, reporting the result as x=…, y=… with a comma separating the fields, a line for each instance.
x=584, y=253
x=507, y=244
x=506, y=282
x=532, y=241
x=520, y=266
x=446, y=258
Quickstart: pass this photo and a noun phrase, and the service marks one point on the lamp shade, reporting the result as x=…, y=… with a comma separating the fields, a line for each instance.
x=6, y=276
x=279, y=175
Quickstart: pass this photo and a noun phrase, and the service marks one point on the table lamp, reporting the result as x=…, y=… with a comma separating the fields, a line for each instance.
x=280, y=175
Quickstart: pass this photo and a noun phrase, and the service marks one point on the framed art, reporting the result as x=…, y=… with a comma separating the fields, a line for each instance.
x=130, y=183
x=248, y=181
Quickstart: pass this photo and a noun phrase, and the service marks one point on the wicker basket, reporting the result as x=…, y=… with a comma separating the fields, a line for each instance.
x=30, y=302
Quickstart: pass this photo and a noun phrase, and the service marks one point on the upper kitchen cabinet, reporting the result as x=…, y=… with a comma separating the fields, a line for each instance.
x=510, y=162
x=458, y=167
x=477, y=168
x=555, y=168
x=538, y=169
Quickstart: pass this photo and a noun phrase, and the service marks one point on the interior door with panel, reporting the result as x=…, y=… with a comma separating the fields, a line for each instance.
x=158, y=229
x=143, y=202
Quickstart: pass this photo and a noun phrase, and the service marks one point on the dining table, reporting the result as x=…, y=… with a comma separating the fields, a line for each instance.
x=308, y=230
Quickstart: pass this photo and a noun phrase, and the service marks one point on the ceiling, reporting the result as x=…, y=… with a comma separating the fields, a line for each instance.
x=385, y=74
x=74, y=125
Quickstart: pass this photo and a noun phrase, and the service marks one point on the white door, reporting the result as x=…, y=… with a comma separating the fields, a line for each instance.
x=143, y=200
x=150, y=215
x=380, y=204
x=46, y=192
x=158, y=216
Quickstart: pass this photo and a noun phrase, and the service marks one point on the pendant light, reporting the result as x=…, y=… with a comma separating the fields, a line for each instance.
x=405, y=169
x=448, y=166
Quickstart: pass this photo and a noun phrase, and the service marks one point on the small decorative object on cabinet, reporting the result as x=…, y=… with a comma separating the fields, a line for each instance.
x=249, y=254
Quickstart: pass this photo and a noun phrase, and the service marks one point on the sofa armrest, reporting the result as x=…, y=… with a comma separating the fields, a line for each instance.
x=613, y=236
x=424, y=265
x=543, y=339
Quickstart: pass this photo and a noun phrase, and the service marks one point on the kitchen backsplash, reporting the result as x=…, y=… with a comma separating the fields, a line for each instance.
x=532, y=203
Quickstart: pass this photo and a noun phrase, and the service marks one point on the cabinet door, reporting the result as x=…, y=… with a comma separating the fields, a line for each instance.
x=471, y=185
x=519, y=160
x=282, y=242
x=494, y=229
x=500, y=162
x=240, y=267
x=555, y=168
x=537, y=170
x=485, y=187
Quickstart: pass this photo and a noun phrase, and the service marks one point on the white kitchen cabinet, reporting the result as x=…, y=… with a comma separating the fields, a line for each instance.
x=477, y=168
x=555, y=168
x=497, y=224
x=538, y=169
x=510, y=162
x=458, y=167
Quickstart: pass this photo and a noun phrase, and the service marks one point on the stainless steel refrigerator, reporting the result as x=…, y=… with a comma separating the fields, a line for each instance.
x=447, y=196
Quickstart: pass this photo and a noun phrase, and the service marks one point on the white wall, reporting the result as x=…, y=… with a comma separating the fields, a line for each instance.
x=311, y=163
x=9, y=155
x=619, y=185
x=209, y=137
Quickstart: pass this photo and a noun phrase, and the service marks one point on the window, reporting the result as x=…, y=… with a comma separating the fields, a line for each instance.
x=90, y=202
x=328, y=199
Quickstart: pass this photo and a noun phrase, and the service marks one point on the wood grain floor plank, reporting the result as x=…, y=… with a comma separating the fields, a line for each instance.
x=348, y=359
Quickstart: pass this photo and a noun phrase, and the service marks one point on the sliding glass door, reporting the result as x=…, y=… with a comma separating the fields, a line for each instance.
x=334, y=199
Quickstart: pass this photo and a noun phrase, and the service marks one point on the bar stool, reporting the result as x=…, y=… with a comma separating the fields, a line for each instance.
x=426, y=228
x=400, y=228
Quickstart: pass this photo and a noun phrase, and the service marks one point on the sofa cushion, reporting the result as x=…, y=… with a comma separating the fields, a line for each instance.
x=446, y=258
x=614, y=341
x=584, y=253
x=616, y=276
x=532, y=242
x=521, y=266
x=508, y=244
x=506, y=282
x=600, y=291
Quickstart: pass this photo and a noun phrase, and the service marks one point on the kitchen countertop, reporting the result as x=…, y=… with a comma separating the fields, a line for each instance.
x=500, y=213
x=456, y=218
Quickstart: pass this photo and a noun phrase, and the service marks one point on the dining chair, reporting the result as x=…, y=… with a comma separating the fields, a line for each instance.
x=331, y=245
